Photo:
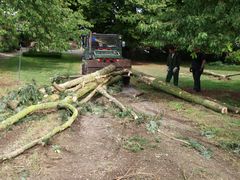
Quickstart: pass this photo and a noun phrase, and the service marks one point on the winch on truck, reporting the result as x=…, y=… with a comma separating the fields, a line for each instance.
x=102, y=50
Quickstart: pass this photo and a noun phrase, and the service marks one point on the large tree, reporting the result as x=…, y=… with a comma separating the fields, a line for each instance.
x=100, y=13
x=8, y=26
x=109, y=16
x=48, y=23
x=211, y=25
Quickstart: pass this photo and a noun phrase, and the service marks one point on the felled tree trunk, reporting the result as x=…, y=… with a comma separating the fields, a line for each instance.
x=173, y=90
x=231, y=108
x=220, y=76
x=86, y=79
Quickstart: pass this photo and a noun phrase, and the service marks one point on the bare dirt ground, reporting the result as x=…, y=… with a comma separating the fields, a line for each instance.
x=6, y=84
x=93, y=148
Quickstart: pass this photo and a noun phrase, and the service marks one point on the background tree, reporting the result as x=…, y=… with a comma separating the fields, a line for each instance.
x=110, y=16
x=100, y=13
x=8, y=27
x=51, y=24
x=210, y=25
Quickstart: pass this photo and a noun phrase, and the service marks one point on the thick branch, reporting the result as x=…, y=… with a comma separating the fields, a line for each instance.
x=103, y=91
x=86, y=99
x=220, y=76
x=48, y=135
x=15, y=118
x=231, y=75
x=88, y=78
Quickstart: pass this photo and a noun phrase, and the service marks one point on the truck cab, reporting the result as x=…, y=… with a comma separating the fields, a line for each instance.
x=101, y=50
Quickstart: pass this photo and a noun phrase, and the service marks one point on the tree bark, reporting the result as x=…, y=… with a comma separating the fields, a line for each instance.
x=87, y=78
x=103, y=91
x=48, y=135
x=173, y=90
x=90, y=95
x=15, y=118
x=220, y=76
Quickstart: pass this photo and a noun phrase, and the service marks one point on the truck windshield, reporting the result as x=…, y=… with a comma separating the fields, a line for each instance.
x=105, y=41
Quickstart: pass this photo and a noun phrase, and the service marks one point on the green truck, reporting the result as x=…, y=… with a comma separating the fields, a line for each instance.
x=101, y=50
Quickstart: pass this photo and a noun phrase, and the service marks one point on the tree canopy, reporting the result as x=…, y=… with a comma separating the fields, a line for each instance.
x=48, y=23
x=210, y=25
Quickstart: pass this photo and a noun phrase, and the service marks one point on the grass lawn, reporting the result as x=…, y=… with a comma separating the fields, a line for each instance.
x=40, y=69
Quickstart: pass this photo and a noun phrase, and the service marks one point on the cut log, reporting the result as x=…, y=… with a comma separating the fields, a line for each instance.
x=57, y=87
x=98, y=79
x=87, y=78
x=93, y=85
x=233, y=109
x=231, y=75
x=220, y=76
x=173, y=90
x=86, y=99
x=79, y=86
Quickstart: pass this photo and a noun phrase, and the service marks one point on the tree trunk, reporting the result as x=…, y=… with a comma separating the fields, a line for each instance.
x=104, y=92
x=173, y=90
x=87, y=78
x=220, y=76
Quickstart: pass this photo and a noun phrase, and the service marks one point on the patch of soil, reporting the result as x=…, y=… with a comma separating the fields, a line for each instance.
x=93, y=149
x=5, y=83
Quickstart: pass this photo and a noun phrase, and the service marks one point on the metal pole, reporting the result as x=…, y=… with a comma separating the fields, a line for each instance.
x=19, y=64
